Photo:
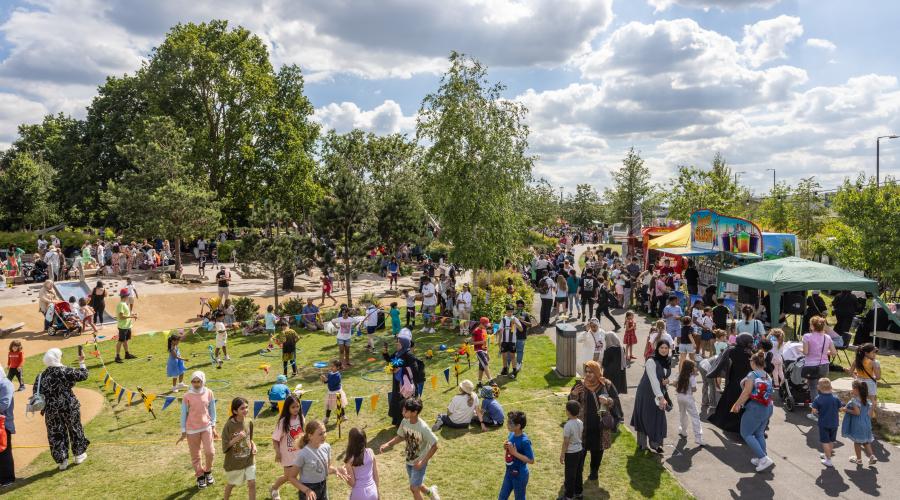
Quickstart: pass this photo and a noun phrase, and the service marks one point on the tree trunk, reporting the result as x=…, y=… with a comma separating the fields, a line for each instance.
x=178, y=256
x=347, y=272
x=275, y=288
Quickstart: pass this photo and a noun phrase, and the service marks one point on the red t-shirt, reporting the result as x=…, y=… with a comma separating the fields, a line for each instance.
x=479, y=335
x=15, y=359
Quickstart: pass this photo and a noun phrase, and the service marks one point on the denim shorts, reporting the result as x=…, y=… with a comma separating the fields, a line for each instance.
x=345, y=342
x=686, y=348
x=416, y=477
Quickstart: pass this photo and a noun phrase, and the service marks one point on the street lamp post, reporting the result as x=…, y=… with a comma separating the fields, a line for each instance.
x=773, y=178
x=878, y=157
x=736, y=174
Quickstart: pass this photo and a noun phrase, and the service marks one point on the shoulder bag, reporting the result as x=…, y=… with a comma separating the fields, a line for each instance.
x=36, y=402
x=817, y=371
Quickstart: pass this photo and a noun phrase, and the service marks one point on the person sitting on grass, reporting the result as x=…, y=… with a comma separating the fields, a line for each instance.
x=279, y=392
x=310, y=316
x=492, y=414
x=462, y=410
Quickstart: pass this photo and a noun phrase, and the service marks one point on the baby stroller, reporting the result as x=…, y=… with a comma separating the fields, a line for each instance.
x=65, y=322
x=795, y=390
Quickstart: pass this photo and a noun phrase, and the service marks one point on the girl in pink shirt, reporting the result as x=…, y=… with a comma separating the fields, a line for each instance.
x=198, y=426
x=287, y=431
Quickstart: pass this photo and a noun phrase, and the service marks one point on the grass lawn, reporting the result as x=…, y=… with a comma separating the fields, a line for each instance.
x=133, y=454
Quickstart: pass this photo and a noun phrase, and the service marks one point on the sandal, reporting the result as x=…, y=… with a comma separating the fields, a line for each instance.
x=854, y=460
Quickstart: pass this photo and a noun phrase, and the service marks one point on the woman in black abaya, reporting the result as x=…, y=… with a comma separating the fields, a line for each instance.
x=734, y=367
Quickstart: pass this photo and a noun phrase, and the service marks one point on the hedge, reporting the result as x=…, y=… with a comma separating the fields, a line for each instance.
x=27, y=240
x=495, y=306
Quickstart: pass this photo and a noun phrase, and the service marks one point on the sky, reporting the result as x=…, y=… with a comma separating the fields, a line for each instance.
x=799, y=86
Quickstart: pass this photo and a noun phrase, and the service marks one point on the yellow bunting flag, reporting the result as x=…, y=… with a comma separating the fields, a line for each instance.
x=130, y=395
x=148, y=400
x=434, y=382
x=118, y=391
x=108, y=383
x=103, y=374
x=280, y=406
x=375, y=401
x=471, y=350
x=456, y=368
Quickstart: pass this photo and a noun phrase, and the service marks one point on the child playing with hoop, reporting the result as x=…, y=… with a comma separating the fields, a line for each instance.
x=335, y=391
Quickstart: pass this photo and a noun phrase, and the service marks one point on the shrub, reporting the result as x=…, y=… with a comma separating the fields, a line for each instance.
x=368, y=298
x=291, y=307
x=494, y=306
x=27, y=240
x=437, y=250
x=245, y=309
x=540, y=242
x=406, y=269
x=225, y=248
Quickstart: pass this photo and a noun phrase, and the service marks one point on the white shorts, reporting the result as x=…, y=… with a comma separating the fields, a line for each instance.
x=221, y=339
x=241, y=476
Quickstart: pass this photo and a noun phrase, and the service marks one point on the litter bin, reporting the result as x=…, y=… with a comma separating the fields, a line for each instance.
x=565, y=349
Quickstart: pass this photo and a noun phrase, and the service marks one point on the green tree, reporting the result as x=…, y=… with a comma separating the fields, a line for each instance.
x=776, y=211
x=583, y=207
x=808, y=210
x=714, y=189
x=400, y=216
x=633, y=193
x=863, y=237
x=477, y=166
x=25, y=192
x=541, y=204
x=162, y=196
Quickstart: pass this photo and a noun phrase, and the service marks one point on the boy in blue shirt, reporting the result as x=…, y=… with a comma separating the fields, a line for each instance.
x=270, y=319
x=395, y=319
x=279, y=392
x=827, y=407
x=518, y=455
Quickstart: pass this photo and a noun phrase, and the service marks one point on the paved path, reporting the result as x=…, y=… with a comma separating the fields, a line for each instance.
x=722, y=469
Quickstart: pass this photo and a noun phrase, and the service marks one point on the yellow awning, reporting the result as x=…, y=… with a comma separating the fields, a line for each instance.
x=678, y=238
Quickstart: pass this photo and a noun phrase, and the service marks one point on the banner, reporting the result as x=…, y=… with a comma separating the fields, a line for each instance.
x=281, y=406
x=130, y=397
x=148, y=400
x=716, y=232
x=120, y=392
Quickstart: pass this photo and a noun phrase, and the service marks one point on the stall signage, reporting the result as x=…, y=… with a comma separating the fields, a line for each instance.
x=713, y=231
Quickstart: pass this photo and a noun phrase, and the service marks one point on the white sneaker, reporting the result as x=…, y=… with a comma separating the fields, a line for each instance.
x=434, y=492
x=754, y=461
x=812, y=417
x=81, y=458
x=182, y=385
x=64, y=465
x=274, y=494
x=174, y=388
x=764, y=463
x=227, y=358
x=826, y=462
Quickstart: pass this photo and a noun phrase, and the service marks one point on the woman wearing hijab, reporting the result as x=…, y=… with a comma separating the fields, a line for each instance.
x=614, y=362
x=405, y=364
x=597, y=395
x=734, y=366
x=198, y=427
x=62, y=411
x=651, y=400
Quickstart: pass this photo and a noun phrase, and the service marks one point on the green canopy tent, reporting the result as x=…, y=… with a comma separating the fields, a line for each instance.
x=793, y=274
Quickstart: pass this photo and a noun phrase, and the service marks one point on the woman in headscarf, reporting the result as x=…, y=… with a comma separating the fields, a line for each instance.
x=597, y=395
x=734, y=366
x=651, y=402
x=404, y=364
x=614, y=362
x=62, y=411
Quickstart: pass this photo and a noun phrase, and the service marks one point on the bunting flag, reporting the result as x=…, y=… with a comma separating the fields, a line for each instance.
x=257, y=407
x=148, y=401
x=120, y=392
x=434, y=382
x=374, y=401
x=170, y=399
x=107, y=383
x=115, y=387
x=95, y=354
x=359, y=402
x=105, y=376
x=456, y=370
x=280, y=406
x=304, y=406
x=130, y=396
x=447, y=375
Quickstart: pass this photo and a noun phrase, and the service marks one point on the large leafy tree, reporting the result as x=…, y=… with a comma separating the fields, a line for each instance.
x=477, y=166
x=541, y=204
x=161, y=196
x=809, y=208
x=584, y=206
x=632, y=192
x=26, y=197
x=250, y=127
x=776, y=211
x=715, y=189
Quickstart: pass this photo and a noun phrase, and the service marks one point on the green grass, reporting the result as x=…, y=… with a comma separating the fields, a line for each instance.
x=132, y=454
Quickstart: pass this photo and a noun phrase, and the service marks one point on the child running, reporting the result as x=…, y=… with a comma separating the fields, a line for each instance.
x=288, y=338
x=479, y=343
x=221, y=338
x=175, y=365
x=630, y=335
x=335, y=391
x=827, y=408
x=421, y=445
x=857, y=425
x=685, y=387
x=86, y=312
x=239, y=449
x=313, y=463
x=284, y=441
x=360, y=468
x=518, y=456
x=15, y=361
x=198, y=426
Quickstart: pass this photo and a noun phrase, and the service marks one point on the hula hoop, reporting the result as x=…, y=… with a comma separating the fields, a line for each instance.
x=269, y=354
x=365, y=376
x=224, y=384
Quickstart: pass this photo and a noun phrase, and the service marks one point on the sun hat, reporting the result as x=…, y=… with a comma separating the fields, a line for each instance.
x=123, y=292
x=281, y=379
x=467, y=386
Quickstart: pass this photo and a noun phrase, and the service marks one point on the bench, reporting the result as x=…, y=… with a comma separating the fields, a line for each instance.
x=883, y=339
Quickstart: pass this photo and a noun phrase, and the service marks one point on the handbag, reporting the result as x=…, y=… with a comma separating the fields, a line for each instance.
x=36, y=403
x=4, y=441
x=817, y=371
x=607, y=422
x=407, y=389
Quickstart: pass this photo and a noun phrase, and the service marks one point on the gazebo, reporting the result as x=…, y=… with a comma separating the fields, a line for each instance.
x=794, y=274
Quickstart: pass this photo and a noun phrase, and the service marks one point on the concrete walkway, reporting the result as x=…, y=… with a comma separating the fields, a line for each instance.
x=722, y=469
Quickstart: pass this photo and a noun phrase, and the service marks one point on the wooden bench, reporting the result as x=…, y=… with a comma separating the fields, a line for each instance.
x=883, y=339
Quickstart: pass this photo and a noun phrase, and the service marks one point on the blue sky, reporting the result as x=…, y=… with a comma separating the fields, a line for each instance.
x=800, y=86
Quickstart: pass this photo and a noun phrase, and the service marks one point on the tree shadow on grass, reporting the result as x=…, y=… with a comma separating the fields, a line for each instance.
x=186, y=493
x=22, y=482
x=645, y=473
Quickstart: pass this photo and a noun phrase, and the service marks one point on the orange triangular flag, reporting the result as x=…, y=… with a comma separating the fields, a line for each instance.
x=375, y=401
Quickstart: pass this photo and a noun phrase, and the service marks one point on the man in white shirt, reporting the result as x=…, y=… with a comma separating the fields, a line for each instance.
x=52, y=260
x=547, y=290
x=429, y=302
x=41, y=243
x=464, y=308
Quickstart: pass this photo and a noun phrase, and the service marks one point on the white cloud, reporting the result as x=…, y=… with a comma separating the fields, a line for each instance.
x=821, y=43
x=15, y=110
x=661, y=5
x=386, y=118
x=766, y=40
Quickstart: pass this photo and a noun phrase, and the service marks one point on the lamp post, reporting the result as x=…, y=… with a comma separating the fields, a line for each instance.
x=736, y=174
x=878, y=157
x=773, y=178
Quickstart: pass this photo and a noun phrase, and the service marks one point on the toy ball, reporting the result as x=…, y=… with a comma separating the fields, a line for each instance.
x=429, y=354
x=443, y=347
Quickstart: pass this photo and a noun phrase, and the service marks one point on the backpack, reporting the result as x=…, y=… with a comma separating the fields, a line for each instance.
x=36, y=403
x=543, y=288
x=407, y=389
x=762, y=390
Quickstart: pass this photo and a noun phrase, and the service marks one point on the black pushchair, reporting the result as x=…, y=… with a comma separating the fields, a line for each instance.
x=794, y=391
